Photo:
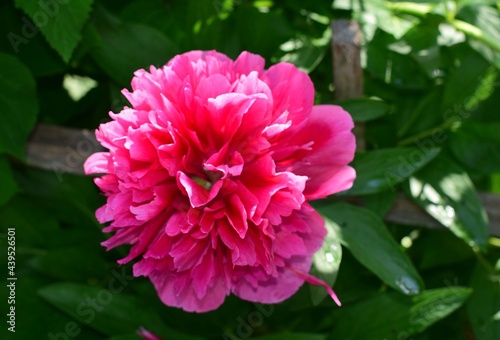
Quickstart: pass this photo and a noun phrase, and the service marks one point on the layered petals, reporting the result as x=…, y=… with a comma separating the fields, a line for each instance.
x=209, y=174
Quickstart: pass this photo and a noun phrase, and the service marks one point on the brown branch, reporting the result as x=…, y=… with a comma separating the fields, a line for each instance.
x=347, y=70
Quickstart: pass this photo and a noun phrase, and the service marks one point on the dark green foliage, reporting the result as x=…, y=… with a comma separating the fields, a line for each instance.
x=432, y=118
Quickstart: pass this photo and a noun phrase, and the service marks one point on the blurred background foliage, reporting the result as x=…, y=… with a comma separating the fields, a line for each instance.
x=431, y=110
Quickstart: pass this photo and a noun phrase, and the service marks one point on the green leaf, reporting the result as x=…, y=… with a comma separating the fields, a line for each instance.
x=35, y=318
x=126, y=47
x=477, y=146
x=401, y=71
x=365, y=109
x=441, y=248
x=36, y=228
x=380, y=203
x=291, y=336
x=387, y=21
x=446, y=192
x=73, y=199
x=60, y=22
x=108, y=310
x=126, y=337
x=7, y=182
x=463, y=84
x=393, y=316
x=487, y=20
x=368, y=239
x=266, y=37
x=326, y=263
x=14, y=21
x=75, y=264
x=483, y=306
x=381, y=170
x=18, y=105
x=306, y=52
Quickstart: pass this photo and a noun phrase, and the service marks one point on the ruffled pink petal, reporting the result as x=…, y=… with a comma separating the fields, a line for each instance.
x=329, y=127
x=97, y=163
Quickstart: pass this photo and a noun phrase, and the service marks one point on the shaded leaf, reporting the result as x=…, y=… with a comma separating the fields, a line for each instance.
x=477, y=146
x=292, y=336
x=397, y=316
x=25, y=43
x=483, y=307
x=108, y=310
x=365, y=235
x=7, y=183
x=18, y=105
x=35, y=318
x=76, y=263
x=36, y=228
x=126, y=47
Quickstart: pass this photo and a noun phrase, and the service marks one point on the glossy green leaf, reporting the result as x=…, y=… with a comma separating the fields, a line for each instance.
x=446, y=192
x=365, y=109
x=483, y=307
x=381, y=170
x=7, y=182
x=367, y=238
x=18, y=105
x=60, y=22
x=393, y=316
x=326, y=263
x=106, y=309
x=138, y=46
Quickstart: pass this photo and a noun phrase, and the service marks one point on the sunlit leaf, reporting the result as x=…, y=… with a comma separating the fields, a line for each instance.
x=446, y=192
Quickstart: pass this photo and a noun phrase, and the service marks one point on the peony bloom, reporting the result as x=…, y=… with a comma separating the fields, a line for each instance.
x=209, y=175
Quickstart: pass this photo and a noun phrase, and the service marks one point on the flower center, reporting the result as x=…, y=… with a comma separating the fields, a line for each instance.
x=203, y=183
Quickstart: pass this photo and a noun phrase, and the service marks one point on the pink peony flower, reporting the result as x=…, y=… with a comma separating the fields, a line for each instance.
x=209, y=173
